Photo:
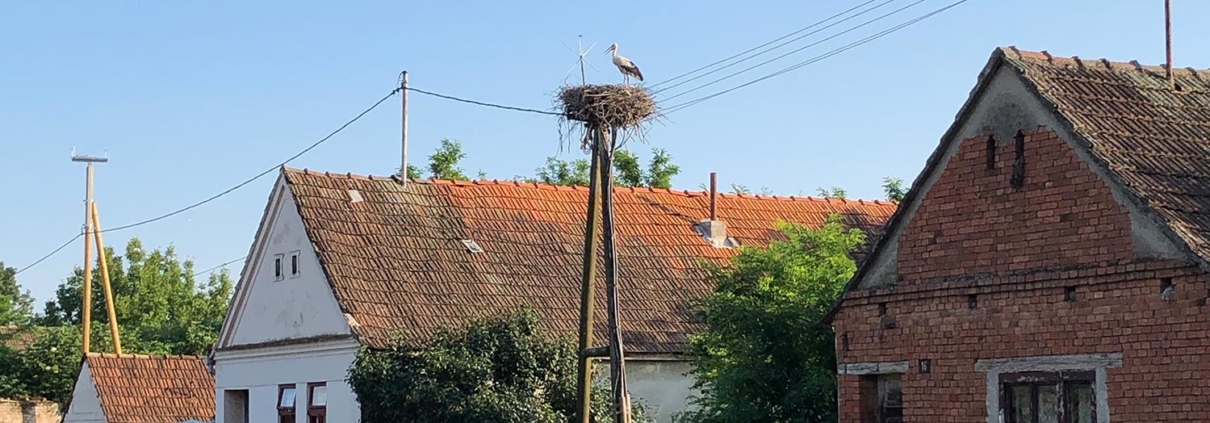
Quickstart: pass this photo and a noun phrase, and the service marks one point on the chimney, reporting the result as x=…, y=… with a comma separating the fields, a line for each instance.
x=714, y=230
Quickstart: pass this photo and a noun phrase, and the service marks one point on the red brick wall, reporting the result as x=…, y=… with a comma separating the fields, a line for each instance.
x=1020, y=250
x=972, y=221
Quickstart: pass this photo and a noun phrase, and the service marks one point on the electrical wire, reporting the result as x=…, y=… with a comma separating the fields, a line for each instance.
x=793, y=51
x=195, y=275
x=56, y=251
x=791, y=41
x=763, y=45
x=228, y=191
x=815, y=59
x=480, y=103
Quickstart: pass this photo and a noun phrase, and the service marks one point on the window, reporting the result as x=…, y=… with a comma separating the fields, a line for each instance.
x=1063, y=397
x=881, y=398
x=285, y=404
x=235, y=406
x=278, y=272
x=991, y=153
x=294, y=271
x=1018, y=178
x=317, y=402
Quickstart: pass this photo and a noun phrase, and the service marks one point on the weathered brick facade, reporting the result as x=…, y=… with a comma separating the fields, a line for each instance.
x=994, y=282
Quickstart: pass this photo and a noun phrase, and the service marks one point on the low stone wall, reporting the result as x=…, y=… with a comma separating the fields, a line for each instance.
x=28, y=412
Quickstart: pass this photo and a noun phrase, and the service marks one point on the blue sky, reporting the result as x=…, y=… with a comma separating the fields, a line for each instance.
x=191, y=98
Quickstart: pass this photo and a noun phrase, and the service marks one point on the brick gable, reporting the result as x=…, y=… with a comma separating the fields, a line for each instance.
x=972, y=220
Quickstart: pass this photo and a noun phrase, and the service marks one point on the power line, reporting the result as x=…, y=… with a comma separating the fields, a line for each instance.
x=871, y=21
x=763, y=45
x=56, y=251
x=791, y=41
x=815, y=59
x=195, y=275
x=480, y=103
x=228, y=191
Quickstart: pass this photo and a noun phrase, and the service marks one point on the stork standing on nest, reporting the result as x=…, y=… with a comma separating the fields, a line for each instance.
x=624, y=65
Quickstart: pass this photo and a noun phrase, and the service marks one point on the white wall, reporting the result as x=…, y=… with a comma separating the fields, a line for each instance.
x=267, y=309
x=260, y=371
x=664, y=387
x=85, y=404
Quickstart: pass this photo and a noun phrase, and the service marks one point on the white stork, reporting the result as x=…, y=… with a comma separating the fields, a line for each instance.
x=624, y=65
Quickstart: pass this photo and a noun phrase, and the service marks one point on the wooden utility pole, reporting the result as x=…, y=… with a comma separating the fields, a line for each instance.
x=617, y=363
x=92, y=232
x=403, y=138
x=87, y=291
x=109, y=310
x=584, y=372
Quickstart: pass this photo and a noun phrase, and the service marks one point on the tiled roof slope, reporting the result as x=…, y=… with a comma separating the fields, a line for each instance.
x=396, y=260
x=152, y=389
x=1153, y=139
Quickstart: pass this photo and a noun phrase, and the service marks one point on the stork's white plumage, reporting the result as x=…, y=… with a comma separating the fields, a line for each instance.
x=627, y=67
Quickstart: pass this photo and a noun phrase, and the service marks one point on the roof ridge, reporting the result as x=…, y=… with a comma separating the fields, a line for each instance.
x=1012, y=52
x=546, y=186
x=143, y=356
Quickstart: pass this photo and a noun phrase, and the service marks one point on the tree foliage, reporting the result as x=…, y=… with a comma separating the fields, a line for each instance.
x=161, y=309
x=16, y=306
x=500, y=369
x=834, y=192
x=627, y=169
x=893, y=188
x=764, y=355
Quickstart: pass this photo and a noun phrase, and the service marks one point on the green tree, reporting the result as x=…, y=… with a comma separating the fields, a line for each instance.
x=501, y=369
x=764, y=355
x=893, y=187
x=16, y=306
x=832, y=193
x=158, y=303
x=443, y=164
x=627, y=171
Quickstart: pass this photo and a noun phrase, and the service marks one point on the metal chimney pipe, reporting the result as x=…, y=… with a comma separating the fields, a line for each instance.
x=713, y=195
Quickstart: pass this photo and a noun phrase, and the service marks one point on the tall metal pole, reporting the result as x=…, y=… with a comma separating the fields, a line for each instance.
x=617, y=353
x=584, y=372
x=403, y=138
x=1168, y=39
x=86, y=311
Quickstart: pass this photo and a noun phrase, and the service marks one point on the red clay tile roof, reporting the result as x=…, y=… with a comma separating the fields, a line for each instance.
x=1151, y=139
x=397, y=260
x=152, y=389
x=1154, y=140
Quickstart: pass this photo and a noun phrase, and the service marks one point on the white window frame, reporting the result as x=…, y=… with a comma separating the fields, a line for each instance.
x=279, y=267
x=1053, y=363
x=295, y=264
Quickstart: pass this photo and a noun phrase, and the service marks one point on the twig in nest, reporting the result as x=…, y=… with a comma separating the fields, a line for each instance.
x=610, y=106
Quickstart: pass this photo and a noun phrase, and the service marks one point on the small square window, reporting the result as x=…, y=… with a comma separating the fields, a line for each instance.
x=294, y=270
x=285, y=403
x=278, y=272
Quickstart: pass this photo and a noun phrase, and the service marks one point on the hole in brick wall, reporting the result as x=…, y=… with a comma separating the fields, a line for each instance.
x=1069, y=294
x=972, y=301
x=1067, y=217
x=1166, y=288
x=882, y=309
x=1018, y=178
x=991, y=152
x=844, y=341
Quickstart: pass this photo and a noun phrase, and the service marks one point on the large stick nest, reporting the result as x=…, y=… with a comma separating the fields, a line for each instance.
x=609, y=106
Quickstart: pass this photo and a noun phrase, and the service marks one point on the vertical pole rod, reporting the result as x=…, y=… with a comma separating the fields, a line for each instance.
x=713, y=195
x=87, y=306
x=1168, y=39
x=109, y=306
x=617, y=353
x=584, y=372
x=403, y=139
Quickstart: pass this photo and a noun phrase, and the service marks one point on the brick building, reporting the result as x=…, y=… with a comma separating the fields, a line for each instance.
x=1049, y=263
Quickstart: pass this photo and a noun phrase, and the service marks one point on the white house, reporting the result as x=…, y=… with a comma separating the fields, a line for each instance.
x=339, y=260
x=131, y=388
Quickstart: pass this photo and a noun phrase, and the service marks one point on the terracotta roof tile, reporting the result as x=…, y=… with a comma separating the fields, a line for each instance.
x=152, y=389
x=1155, y=140
x=397, y=258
